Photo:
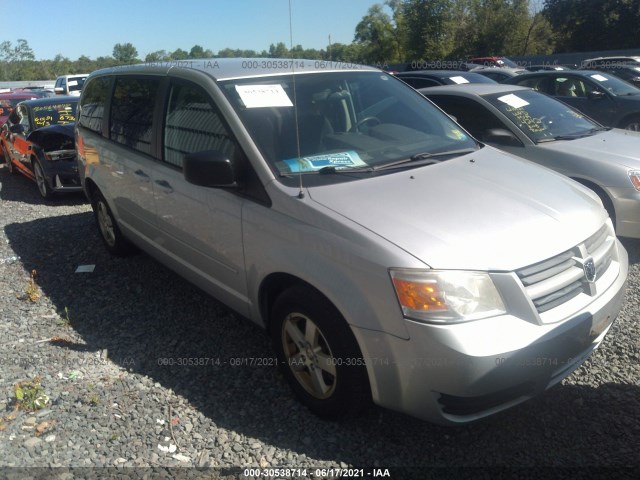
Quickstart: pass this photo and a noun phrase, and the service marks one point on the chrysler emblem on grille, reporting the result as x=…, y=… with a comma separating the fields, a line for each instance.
x=589, y=267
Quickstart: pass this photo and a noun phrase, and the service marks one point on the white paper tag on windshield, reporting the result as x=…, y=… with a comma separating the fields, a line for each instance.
x=459, y=80
x=72, y=83
x=513, y=101
x=598, y=77
x=256, y=96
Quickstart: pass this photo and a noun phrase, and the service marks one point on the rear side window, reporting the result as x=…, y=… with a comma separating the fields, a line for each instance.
x=537, y=83
x=132, y=109
x=93, y=104
x=193, y=125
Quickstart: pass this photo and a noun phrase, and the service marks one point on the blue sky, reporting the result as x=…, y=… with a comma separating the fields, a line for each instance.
x=73, y=28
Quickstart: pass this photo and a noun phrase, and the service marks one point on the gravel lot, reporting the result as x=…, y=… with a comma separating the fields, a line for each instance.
x=107, y=346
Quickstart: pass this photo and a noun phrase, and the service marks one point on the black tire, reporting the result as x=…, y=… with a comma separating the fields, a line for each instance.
x=110, y=233
x=41, y=181
x=7, y=160
x=307, y=332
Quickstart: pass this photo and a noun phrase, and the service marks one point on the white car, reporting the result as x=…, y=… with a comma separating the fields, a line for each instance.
x=70, y=84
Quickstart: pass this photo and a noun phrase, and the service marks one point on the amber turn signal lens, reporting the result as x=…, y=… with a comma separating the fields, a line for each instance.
x=425, y=297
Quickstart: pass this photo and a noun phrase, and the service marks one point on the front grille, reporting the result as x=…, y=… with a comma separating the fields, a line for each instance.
x=557, y=280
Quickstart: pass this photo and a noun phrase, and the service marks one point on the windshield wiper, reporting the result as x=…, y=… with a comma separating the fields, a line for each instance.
x=419, y=157
x=574, y=136
x=333, y=169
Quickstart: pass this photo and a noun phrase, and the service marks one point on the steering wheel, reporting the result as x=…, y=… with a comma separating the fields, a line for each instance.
x=364, y=121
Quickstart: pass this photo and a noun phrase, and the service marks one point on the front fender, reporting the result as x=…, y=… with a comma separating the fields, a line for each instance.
x=345, y=268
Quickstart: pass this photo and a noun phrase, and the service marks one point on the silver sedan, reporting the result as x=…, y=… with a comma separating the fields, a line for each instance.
x=539, y=128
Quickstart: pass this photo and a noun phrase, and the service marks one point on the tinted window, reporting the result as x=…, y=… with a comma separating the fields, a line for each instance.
x=417, y=82
x=132, y=112
x=193, y=125
x=537, y=83
x=475, y=118
x=569, y=87
x=93, y=104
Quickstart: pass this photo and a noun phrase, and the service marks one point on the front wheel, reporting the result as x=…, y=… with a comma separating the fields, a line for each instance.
x=318, y=353
x=110, y=233
x=41, y=181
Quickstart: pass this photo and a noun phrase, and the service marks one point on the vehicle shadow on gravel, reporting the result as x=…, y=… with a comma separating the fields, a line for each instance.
x=15, y=187
x=148, y=318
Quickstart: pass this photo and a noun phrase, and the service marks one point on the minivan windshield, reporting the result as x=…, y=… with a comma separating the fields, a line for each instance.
x=346, y=122
x=542, y=118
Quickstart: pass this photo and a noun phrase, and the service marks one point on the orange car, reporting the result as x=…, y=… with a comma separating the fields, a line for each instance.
x=37, y=141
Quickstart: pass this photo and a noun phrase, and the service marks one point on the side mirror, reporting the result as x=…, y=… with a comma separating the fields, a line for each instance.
x=210, y=168
x=58, y=90
x=595, y=95
x=502, y=137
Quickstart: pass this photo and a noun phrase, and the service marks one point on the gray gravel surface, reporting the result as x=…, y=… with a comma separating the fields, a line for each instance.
x=109, y=347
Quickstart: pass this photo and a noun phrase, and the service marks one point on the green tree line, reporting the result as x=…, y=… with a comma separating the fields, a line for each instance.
x=397, y=31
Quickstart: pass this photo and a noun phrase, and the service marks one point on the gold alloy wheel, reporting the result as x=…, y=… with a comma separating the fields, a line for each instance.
x=105, y=223
x=309, y=356
x=40, y=180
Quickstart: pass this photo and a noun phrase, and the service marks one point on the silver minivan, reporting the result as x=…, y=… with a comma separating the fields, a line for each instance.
x=390, y=256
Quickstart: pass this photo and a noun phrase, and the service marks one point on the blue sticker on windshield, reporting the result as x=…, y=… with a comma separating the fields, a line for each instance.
x=316, y=162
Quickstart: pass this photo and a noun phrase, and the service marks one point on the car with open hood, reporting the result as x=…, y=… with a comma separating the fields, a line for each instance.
x=389, y=255
x=38, y=141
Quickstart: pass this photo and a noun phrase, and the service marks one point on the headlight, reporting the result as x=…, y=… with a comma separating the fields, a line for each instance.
x=634, y=176
x=446, y=296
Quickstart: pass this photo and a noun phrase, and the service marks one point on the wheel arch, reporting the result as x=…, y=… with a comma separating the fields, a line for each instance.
x=627, y=119
x=604, y=196
x=272, y=286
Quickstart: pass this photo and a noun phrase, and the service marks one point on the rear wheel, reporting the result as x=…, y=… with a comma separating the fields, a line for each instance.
x=110, y=233
x=41, y=181
x=318, y=353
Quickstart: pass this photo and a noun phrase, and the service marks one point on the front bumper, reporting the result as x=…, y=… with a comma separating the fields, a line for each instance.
x=452, y=374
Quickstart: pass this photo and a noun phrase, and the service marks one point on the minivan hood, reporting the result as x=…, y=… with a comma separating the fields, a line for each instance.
x=620, y=146
x=483, y=211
